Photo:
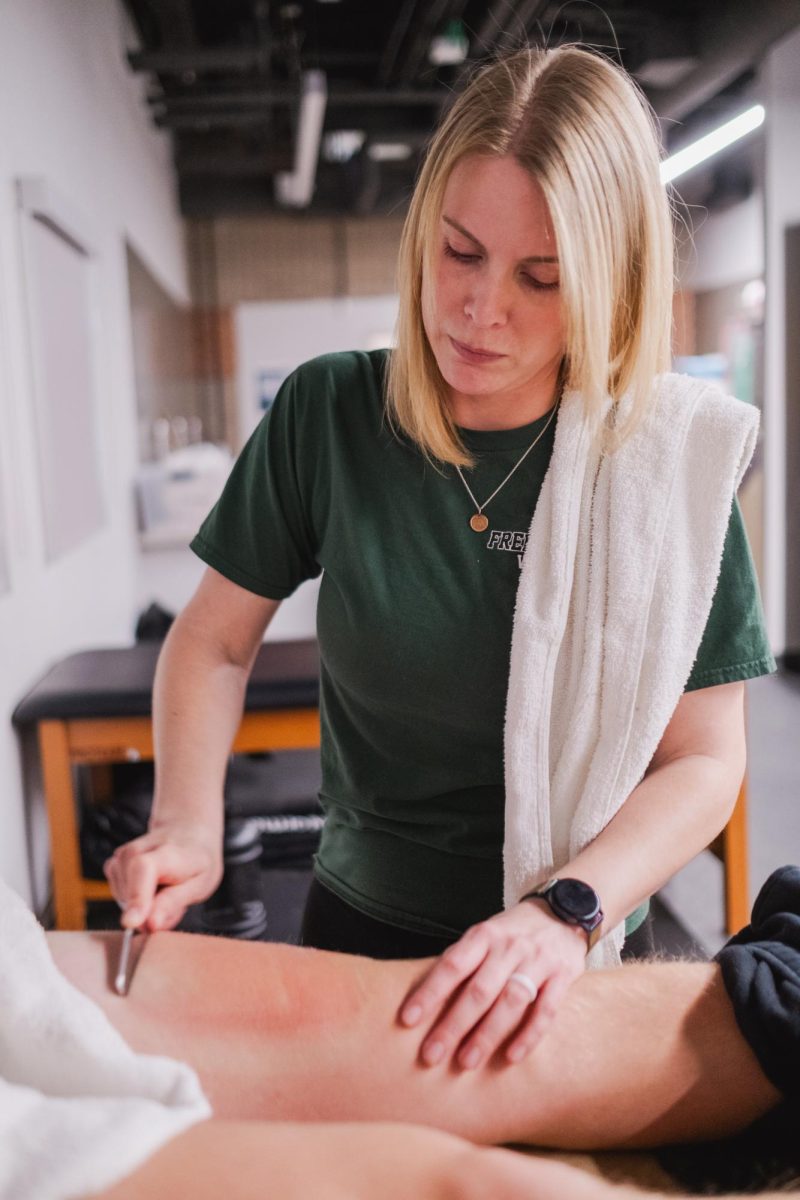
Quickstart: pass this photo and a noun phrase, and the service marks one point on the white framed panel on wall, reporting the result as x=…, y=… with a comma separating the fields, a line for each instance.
x=8, y=446
x=57, y=257
x=273, y=337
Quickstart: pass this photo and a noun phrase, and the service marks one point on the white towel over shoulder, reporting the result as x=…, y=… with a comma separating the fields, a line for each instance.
x=616, y=588
x=79, y=1109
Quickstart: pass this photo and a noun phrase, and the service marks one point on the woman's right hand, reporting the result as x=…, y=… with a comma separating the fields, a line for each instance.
x=156, y=877
x=198, y=694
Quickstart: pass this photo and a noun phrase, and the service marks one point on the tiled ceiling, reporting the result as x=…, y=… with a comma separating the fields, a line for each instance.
x=225, y=79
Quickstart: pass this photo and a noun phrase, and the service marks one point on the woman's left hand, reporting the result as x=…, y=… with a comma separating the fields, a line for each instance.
x=475, y=1003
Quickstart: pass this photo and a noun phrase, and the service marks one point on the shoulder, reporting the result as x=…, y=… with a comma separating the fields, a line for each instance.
x=711, y=434
x=333, y=400
x=704, y=405
x=340, y=374
x=693, y=427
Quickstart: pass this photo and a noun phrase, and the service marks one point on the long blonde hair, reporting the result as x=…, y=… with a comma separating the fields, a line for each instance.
x=578, y=124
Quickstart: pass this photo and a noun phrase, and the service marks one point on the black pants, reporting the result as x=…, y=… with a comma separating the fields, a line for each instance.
x=332, y=924
x=640, y=944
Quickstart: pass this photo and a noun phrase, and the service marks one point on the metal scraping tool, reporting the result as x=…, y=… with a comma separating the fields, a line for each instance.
x=121, y=978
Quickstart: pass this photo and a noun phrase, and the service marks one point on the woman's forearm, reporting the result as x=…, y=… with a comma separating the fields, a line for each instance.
x=674, y=813
x=198, y=696
x=681, y=804
x=197, y=706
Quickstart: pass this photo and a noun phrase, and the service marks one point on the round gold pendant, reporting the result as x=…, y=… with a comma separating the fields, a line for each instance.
x=479, y=522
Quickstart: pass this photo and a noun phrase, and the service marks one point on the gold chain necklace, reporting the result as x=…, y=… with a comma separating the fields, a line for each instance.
x=478, y=521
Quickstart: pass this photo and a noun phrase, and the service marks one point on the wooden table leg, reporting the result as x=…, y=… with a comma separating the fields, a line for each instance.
x=736, y=866
x=68, y=894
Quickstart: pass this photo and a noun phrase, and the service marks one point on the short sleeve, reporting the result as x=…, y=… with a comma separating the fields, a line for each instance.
x=259, y=534
x=734, y=645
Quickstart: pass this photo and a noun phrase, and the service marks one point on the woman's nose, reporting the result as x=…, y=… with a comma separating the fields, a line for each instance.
x=487, y=303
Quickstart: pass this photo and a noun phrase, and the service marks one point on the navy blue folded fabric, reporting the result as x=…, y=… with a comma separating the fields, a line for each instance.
x=761, y=971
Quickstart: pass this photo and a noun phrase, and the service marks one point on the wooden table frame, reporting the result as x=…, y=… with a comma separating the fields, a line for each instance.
x=92, y=709
x=66, y=744
x=731, y=847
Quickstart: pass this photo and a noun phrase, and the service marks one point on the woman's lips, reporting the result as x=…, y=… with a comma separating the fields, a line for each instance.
x=474, y=356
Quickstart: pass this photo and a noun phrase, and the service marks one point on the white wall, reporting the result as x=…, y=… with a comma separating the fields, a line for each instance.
x=277, y=335
x=71, y=112
x=728, y=248
x=780, y=94
x=170, y=574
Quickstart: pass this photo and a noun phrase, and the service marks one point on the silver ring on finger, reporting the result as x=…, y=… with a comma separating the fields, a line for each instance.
x=527, y=983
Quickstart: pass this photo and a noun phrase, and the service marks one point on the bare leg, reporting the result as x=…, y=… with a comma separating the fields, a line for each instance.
x=641, y=1056
x=250, y=1160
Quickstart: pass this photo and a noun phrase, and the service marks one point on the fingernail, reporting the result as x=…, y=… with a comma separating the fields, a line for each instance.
x=132, y=916
x=432, y=1053
x=517, y=1053
x=471, y=1059
x=412, y=1015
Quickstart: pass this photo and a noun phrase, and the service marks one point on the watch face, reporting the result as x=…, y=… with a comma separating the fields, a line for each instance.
x=577, y=900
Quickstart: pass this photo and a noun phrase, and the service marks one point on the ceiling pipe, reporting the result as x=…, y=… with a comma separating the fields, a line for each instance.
x=295, y=188
x=205, y=114
x=200, y=60
x=208, y=103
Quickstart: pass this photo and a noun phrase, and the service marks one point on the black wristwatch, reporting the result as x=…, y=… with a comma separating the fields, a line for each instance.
x=574, y=902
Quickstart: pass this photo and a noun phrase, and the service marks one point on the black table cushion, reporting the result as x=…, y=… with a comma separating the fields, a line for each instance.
x=119, y=682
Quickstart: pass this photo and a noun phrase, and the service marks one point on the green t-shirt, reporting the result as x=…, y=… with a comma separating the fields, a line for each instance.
x=414, y=625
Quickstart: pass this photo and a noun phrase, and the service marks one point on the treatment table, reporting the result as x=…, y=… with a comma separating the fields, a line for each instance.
x=94, y=709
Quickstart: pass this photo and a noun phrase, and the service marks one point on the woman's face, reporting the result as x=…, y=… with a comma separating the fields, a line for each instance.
x=491, y=305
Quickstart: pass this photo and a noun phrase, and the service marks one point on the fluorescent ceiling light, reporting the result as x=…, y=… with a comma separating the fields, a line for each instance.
x=296, y=187
x=697, y=152
x=389, y=151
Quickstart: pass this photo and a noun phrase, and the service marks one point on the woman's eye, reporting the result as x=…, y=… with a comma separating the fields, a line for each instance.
x=458, y=255
x=540, y=285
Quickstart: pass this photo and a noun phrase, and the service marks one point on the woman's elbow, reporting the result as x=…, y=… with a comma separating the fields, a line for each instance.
x=726, y=772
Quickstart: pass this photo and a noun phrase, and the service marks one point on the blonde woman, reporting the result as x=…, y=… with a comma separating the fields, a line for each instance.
x=527, y=538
